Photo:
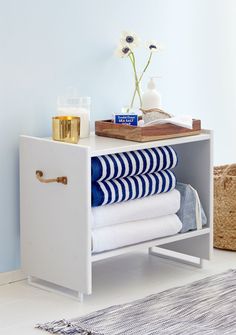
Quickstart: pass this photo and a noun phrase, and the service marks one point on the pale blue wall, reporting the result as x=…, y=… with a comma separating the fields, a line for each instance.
x=47, y=45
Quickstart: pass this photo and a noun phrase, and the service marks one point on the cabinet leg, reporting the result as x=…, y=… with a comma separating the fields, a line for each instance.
x=176, y=256
x=80, y=297
x=50, y=287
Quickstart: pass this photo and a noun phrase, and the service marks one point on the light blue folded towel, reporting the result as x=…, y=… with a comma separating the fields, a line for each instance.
x=191, y=213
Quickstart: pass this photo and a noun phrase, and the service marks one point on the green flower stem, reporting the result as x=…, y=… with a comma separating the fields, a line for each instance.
x=134, y=94
x=146, y=66
x=140, y=78
x=132, y=58
x=133, y=97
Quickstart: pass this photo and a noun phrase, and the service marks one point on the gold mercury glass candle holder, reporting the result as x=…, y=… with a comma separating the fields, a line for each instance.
x=66, y=128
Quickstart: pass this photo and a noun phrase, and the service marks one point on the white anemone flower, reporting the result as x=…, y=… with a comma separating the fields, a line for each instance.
x=153, y=46
x=130, y=38
x=123, y=51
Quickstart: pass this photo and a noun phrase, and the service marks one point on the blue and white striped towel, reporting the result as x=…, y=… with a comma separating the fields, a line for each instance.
x=123, y=189
x=133, y=163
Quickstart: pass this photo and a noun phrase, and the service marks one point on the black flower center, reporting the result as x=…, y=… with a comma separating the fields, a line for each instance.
x=129, y=39
x=152, y=46
x=125, y=50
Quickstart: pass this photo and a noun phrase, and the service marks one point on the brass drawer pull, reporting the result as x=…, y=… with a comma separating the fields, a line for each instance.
x=39, y=176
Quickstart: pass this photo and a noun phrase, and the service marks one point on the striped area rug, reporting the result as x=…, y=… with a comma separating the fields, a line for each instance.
x=205, y=307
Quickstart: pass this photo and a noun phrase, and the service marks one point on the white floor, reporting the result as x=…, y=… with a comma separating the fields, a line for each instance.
x=118, y=280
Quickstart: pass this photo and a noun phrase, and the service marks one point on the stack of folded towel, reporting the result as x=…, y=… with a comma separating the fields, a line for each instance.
x=145, y=177
x=131, y=222
x=132, y=175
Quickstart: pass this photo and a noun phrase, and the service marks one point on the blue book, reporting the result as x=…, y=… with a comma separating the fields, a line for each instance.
x=129, y=119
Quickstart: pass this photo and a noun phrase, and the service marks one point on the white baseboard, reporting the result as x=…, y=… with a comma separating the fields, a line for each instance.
x=12, y=276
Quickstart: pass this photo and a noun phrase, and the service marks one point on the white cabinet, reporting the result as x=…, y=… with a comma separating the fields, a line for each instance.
x=56, y=218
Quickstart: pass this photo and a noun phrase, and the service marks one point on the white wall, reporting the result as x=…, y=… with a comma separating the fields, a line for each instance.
x=48, y=45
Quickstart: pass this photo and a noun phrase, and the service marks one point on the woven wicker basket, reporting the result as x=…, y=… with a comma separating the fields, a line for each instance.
x=225, y=207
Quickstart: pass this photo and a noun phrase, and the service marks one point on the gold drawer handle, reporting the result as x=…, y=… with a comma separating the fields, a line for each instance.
x=39, y=176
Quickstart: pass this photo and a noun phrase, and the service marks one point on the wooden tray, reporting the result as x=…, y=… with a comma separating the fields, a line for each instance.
x=107, y=128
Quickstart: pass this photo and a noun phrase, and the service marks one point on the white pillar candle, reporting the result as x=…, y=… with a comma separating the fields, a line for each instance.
x=84, y=115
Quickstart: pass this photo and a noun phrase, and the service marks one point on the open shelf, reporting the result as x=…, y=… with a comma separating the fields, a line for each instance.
x=149, y=244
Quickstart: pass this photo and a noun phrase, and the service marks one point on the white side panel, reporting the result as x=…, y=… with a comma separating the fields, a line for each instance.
x=55, y=218
x=195, y=167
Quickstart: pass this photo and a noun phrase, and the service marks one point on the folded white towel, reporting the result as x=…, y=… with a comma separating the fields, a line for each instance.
x=185, y=121
x=119, y=235
x=138, y=209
